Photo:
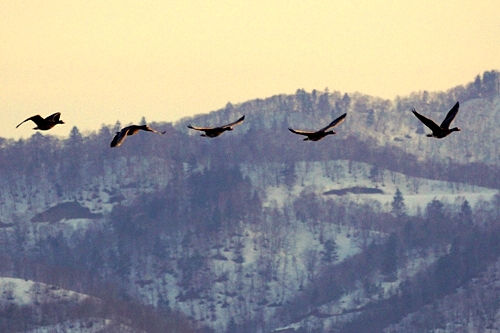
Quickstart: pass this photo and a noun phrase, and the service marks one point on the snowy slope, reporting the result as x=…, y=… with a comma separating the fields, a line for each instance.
x=288, y=254
x=320, y=177
x=290, y=250
x=250, y=272
x=87, y=325
x=21, y=292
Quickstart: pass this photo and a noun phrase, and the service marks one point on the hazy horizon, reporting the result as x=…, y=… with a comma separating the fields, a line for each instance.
x=100, y=62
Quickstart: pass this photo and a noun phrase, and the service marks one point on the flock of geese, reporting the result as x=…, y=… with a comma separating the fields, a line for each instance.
x=438, y=131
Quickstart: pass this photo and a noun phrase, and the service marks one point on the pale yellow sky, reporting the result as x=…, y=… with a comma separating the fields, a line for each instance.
x=102, y=61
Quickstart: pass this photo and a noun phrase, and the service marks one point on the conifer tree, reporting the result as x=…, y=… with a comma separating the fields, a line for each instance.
x=330, y=253
x=398, y=205
x=465, y=215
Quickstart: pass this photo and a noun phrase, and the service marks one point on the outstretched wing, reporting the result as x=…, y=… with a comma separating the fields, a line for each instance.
x=124, y=132
x=119, y=138
x=427, y=122
x=199, y=128
x=334, y=123
x=54, y=117
x=450, y=116
x=237, y=122
x=36, y=119
x=134, y=129
x=234, y=123
x=300, y=132
x=131, y=130
x=149, y=129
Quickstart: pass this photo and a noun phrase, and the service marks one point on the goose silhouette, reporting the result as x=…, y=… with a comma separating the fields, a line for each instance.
x=130, y=130
x=443, y=130
x=320, y=134
x=212, y=132
x=44, y=124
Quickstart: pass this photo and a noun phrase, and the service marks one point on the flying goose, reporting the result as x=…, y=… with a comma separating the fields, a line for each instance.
x=45, y=124
x=318, y=135
x=439, y=132
x=212, y=132
x=130, y=130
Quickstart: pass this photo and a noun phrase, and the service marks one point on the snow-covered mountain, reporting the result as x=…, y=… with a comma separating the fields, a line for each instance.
x=18, y=294
x=258, y=231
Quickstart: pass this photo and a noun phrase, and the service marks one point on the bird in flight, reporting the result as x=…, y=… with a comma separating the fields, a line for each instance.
x=130, y=130
x=320, y=134
x=443, y=130
x=45, y=124
x=212, y=132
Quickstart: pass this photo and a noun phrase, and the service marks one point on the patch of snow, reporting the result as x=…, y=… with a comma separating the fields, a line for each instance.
x=22, y=292
x=320, y=177
x=87, y=325
x=294, y=327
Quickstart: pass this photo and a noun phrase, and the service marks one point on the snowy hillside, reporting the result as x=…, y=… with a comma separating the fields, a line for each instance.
x=90, y=325
x=21, y=292
x=376, y=227
x=290, y=250
x=321, y=177
x=39, y=299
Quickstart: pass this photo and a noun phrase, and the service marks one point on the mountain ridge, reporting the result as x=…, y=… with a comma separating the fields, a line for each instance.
x=236, y=233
